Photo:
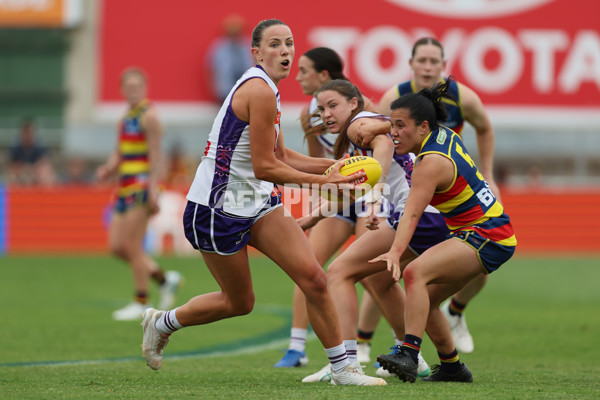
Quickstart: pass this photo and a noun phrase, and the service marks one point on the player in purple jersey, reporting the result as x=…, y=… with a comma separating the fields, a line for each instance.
x=315, y=67
x=343, y=111
x=246, y=144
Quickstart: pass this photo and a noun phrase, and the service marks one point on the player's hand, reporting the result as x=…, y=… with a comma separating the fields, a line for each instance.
x=102, y=172
x=334, y=176
x=363, y=136
x=392, y=260
x=153, y=206
x=372, y=220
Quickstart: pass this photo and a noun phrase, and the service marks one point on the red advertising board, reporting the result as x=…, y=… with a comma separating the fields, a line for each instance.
x=514, y=53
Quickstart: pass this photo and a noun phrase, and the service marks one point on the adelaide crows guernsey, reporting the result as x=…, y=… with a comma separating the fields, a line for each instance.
x=225, y=178
x=133, y=151
x=468, y=204
x=455, y=119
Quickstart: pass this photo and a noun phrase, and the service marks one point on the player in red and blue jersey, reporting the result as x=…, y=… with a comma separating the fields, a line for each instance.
x=427, y=64
x=135, y=161
x=481, y=236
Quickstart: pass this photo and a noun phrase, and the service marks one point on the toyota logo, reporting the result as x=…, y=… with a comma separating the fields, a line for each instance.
x=470, y=9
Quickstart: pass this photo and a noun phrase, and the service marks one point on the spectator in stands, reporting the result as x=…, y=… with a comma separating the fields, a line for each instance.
x=228, y=57
x=76, y=171
x=29, y=161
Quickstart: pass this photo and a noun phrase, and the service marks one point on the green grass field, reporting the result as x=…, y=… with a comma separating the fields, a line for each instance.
x=536, y=328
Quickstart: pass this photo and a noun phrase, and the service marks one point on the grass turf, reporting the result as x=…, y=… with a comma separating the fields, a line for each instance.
x=535, y=326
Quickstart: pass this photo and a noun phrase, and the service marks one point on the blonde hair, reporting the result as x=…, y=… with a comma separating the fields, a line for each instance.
x=133, y=71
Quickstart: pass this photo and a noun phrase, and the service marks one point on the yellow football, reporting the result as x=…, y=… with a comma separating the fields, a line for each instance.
x=354, y=166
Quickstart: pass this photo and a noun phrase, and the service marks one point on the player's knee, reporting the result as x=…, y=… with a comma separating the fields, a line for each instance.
x=335, y=273
x=410, y=275
x=314, y=282
x=119, y=250
x=242, y=305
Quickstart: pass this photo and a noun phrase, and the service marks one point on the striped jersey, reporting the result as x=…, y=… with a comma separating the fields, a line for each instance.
x=133, y=150
x=455, y=119
x=225, y=178
x=468, y=204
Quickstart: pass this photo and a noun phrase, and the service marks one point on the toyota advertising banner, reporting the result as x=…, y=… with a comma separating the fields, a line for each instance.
x=516, y=54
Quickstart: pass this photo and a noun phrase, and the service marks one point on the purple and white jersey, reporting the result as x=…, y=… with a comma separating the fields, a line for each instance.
x=327, y=140
x=225, y=178
x=397, y=187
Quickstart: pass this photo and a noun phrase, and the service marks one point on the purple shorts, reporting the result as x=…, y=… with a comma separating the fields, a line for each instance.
x=431, y=230
x=214, y=231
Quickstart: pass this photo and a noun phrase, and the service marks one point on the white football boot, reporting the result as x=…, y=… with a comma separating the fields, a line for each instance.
x=131, y=312
x=363, y=351
x=354, y=375
x=168, y=290
x=323, y=375
x=153, y=341
x=460, y=333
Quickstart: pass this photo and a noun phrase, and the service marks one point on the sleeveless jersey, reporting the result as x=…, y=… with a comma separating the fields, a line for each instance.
x=133, y=151
x=400, y=170
x=327, y=140
x=468, y=205
x=225, y=178
x=455, y=119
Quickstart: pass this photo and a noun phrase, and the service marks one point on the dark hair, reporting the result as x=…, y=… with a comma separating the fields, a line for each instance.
x=427, y=105
x=325, y=59
x=427, y=40
x=349, y=91
x=257, y=32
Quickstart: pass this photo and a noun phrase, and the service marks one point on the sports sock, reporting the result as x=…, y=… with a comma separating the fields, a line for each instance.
x=364, y=337
x=158, y=276
x=337, y=357
x=351, y=350
x=168, y=323
x=449, y=362
x=456, y=308
x=398, y=342
x=412, y=345
x=298, y=339
x=141, y=297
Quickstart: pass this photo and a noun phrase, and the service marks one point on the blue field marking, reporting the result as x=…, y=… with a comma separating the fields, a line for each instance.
x=266, y=341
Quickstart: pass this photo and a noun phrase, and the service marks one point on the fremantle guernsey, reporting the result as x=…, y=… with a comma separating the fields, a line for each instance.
x=397, y=187
x=225, y=178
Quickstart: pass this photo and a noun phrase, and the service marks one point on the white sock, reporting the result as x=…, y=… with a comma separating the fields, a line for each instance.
x=351, y=350
x=337, y=357
x=168, y=323
x=298, y=339
x=398, y=342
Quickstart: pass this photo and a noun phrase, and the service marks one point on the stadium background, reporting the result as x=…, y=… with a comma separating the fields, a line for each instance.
x=535, y=64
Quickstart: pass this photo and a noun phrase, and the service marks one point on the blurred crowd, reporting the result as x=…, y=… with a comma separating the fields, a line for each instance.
x=30, y=162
